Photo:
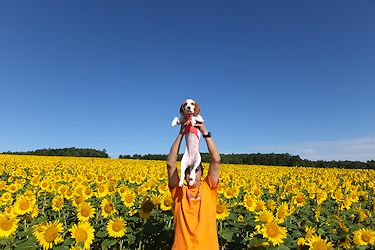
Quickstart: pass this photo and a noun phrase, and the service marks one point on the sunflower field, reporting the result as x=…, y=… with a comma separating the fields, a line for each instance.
x=93, y=203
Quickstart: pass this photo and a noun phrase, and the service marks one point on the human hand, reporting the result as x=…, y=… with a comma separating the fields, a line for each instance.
x=201, y=127
x=185, y=121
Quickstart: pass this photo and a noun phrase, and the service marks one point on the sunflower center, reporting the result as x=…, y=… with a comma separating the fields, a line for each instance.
x=272, y=230
x=108, y=208
x=148, y=206
x=51, y=234
x=117, y=226
x=129, y=198
x=79, y=200
x=299, y=199
x=219, y=209
x=168, y=201
x=58, y=203
x=81, y=235
x=249, y=202
x=24, y=205
x=257, y=192
x=85, y=211
x=366, y=237
x=6, y=224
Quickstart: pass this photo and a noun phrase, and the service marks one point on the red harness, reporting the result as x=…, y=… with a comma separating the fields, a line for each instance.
x=191, y=129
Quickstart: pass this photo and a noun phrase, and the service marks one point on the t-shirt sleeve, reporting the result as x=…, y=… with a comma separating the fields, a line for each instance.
x=211, y=184
x=174, y=191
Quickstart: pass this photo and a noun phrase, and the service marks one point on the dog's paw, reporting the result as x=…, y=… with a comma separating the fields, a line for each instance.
x=181, y=183
x=175, y=121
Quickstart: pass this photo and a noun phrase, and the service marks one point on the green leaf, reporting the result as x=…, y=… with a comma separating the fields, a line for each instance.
x=102, y=234
x=108, y=243
x=283, y=247
x=226, y=234
x=30, y=244
x=321, y=232
x=61, y=248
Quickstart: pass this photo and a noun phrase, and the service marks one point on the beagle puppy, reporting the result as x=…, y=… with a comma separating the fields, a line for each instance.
x=191, y=156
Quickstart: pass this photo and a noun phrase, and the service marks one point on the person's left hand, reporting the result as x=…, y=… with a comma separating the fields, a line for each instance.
x=201, y=127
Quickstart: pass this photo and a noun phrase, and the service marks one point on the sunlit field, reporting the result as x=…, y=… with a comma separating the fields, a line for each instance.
x=92, y=203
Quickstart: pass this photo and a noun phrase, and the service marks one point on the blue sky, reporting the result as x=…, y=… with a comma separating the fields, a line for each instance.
x=270, y=76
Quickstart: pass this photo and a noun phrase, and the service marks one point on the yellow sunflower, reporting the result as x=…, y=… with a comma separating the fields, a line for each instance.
x=108, y=208
x=116, y=227
x=271, y=205
x=83, y=233
x=249, y=202
x=49, y=234
x=222, y=211
x=163, y=188
x=265, y=216
x=300, y=200
x=128, y=198
x=310, y=232
x=57, y=203
x=274, y=233
x=321, y=196
x=102, y=190
x=23, y=205
x=62, y=189
x=364, y=237
x=6, y=198
x=282, y=212
x=166, y=202
x=85, y=211
x=8, y=225
x=260, y=205
x=317, y=243
x=87, y=193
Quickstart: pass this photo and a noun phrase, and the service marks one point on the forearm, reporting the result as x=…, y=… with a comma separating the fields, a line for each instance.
x=214, y=153
x=173, y=153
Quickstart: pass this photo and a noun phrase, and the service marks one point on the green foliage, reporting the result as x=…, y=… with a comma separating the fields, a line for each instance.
x=267, y=160
x=76, y=152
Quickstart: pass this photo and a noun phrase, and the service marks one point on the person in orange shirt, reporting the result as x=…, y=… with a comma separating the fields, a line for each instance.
x=195, y=205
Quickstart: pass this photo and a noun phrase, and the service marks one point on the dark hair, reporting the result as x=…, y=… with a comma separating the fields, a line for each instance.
x=188, y=170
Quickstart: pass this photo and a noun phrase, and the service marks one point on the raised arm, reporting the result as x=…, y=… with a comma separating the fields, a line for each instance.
x=172, y=160
x=213, y=171
x=173, y=178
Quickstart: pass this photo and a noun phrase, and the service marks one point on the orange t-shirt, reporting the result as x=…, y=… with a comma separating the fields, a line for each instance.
x=195, y=216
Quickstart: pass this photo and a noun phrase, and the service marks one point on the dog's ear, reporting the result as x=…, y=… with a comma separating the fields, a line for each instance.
x=197, y=110
x=182, y=108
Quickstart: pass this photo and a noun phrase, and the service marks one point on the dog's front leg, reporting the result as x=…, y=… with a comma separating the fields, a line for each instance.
x=198, y=160
x=175, y=121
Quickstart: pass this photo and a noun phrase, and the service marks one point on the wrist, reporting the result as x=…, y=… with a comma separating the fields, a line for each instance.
x=207, y=135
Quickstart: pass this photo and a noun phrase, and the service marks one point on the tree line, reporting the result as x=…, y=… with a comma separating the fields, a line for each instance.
x=271, y=159
x=76, y=152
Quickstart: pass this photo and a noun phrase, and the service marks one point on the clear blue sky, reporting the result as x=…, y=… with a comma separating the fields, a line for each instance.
x=270, y=76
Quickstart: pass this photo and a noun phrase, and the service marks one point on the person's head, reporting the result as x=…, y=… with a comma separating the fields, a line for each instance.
x=198, y=174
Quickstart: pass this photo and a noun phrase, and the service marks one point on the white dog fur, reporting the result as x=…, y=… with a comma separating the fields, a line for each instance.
x=191, y=156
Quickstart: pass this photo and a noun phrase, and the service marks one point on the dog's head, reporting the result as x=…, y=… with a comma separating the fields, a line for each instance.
x=188, y=107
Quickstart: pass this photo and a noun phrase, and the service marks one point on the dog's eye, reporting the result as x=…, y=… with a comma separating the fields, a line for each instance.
x=193, y=104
